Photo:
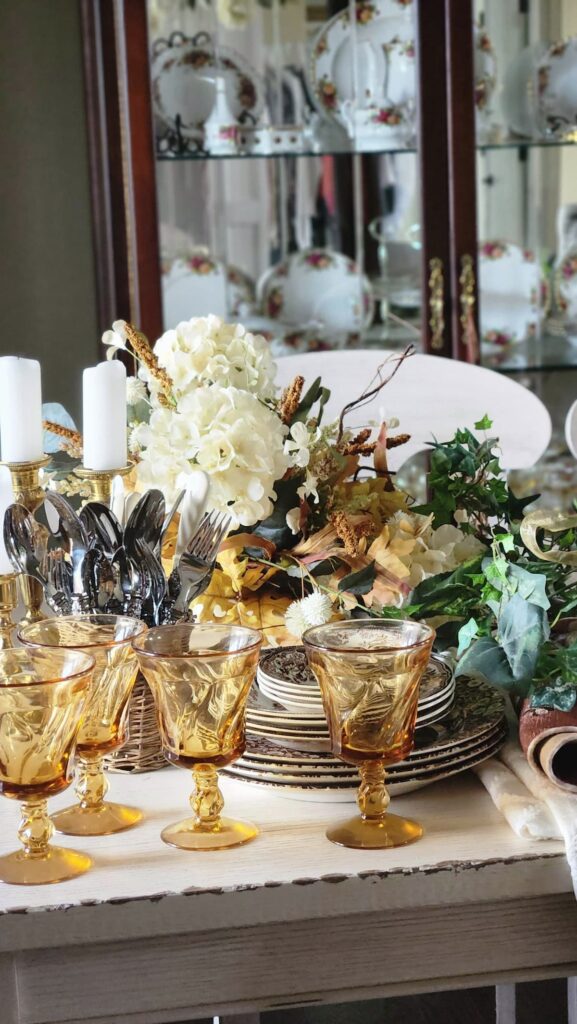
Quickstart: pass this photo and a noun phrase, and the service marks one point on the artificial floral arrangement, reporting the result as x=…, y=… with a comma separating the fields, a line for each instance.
x=319, y=526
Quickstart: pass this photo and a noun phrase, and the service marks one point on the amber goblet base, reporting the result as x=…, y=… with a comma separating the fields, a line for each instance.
x=105, y=821
x=366, y=834
x=40, y=863
x=93, y=815
x=374, y=828
x=56, y=865
x=207, y=830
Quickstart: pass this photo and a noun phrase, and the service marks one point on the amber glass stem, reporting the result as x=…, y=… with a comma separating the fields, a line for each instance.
x=207, y=800
x=372, y=797
x=91, y=784
x=36, y=829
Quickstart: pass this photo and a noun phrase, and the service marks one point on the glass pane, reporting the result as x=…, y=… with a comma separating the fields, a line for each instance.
x=287, y=176
x=527, y=206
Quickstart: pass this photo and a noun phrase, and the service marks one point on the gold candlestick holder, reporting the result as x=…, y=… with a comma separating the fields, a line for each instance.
x=100, y=480
x=8, y=602
x=28, y=492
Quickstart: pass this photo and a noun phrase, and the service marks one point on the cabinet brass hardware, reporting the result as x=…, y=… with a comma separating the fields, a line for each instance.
x=467, y=300
x=436, y=302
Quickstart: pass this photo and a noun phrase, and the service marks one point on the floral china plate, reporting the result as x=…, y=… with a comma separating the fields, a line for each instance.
x=317, y=287
x=199, y=284
x=566, y=286
x=183, y=77
x=363, y=76
x=557, y=88
x=513, y=295
x=381, y=79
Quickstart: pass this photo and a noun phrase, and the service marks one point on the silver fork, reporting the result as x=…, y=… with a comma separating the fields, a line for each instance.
x=195, y=566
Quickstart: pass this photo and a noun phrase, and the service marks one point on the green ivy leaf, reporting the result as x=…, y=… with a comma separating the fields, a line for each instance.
x=359, y=582
x=467, y=634
x=561, y=698
x=523, y=628
x=484, y=424
x=486, y=660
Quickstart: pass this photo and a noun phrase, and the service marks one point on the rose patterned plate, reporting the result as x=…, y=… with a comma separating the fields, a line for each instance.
x=199, y=284
x=183, y=76
x=384, y=78
x=557, y=88
x=514, y=297
x=566, y=285
x=317, y=286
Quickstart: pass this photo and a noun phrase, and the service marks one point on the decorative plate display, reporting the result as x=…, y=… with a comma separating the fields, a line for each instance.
x=384, y=83
x=519, y=91
x=183, y=75
x=473, y=730
x=317, y=286
x=199, y=284
x=385, y=58
x=566, y=285
x=485, y=68
x=557, y=88
x=513, y=295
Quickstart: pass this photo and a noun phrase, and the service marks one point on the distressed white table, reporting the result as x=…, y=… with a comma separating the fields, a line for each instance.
x=153, y=935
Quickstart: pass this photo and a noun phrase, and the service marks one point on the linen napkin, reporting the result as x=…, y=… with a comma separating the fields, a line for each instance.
x=561, y=806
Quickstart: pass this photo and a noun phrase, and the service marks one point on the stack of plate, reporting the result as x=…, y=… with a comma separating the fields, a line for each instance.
x=287, y=706
x=474, y=729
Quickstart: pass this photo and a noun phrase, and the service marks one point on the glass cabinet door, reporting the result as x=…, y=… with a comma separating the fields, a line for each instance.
x=527, y=206
x=287, y=170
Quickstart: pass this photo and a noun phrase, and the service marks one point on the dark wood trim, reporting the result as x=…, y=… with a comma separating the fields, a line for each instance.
x=122, y=162
x=433, y=159
x=462, y=168
x=98, y=161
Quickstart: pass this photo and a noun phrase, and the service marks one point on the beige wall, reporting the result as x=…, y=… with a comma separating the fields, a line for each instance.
x=47, y=297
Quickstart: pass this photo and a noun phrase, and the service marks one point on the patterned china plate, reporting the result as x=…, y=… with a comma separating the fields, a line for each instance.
x=478, y=708
x=415, y=763
x=557, y=88
x=514, y=296
x=287, y=667
x=397, y=773
x=317, y=286
x=199, y=284
x=183, y=76
x=566, y=285
x=346, y=793
x=385, y=75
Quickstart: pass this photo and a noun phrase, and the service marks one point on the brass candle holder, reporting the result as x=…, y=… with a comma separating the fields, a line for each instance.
x=100, y=480
x=8, y=602
x=28, y=492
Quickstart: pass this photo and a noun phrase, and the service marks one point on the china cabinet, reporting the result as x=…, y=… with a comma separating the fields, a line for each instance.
x=336, y=174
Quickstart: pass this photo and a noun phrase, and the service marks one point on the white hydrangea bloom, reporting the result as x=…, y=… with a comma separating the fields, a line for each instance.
x=314, y=610
x=205, y=350
x=229, y=434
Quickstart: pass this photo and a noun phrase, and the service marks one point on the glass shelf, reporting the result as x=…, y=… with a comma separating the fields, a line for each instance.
x=513, y=143
x=538, y=355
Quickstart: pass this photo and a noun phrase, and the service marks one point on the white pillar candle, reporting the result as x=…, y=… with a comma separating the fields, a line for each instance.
x=104, y=416
x=6, y=499
x=21, y=433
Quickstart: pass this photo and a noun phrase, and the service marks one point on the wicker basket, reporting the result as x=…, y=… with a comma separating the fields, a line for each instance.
x=142, y=752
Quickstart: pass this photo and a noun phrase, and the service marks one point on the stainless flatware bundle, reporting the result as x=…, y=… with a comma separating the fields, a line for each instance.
x=90, y=562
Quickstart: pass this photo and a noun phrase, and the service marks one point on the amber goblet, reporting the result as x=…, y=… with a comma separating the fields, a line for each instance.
x=200, y=677
x=369, y=674
x=103, y=728
x=42, y=696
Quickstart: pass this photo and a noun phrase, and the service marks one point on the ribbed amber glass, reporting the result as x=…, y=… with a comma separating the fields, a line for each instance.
x=103, y=728
x=200, y=677
x=369, y=672
x=42, y=697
